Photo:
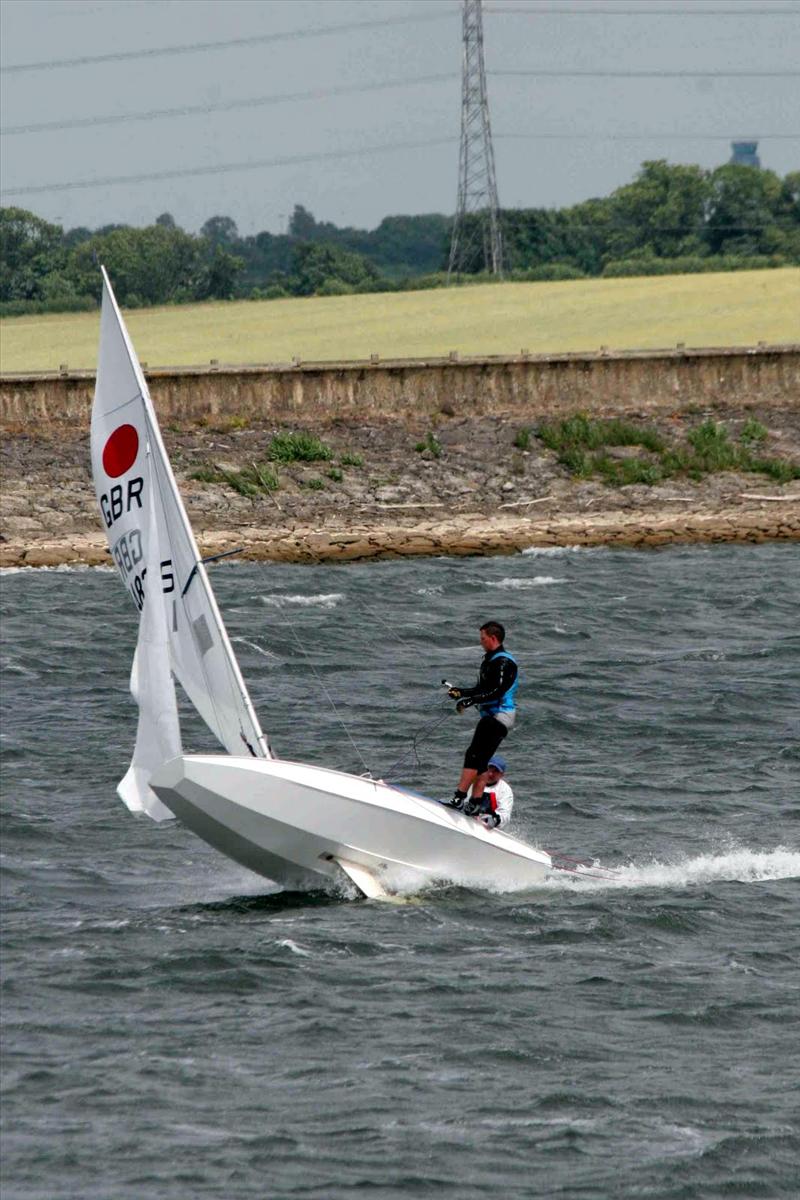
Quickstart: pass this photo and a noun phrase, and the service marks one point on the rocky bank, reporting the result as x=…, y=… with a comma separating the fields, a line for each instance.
x=471, y=490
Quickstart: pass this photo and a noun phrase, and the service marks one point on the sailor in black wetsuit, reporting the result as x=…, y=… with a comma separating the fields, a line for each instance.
x=495, y=696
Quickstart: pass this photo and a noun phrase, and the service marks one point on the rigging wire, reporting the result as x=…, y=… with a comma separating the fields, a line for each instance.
x=359, y=603
x=416, y=740
x=323, y=688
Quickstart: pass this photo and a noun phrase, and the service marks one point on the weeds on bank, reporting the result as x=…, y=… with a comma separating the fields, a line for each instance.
x=253, y=481
x=261, y=478
x=431, y=443
x=522, y=438
x=582, y=445
x=298, y=447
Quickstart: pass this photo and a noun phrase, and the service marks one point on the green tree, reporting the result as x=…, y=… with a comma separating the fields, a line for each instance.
x=218, y=274
x=147, y=266
x=30, y=250
x=788, y=217
x=316, y=265
x=662, y=212
x=220, y=231
x=744, y=207
x=302, y=224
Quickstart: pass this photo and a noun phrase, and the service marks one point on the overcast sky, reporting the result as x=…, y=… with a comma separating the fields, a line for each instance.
x=286, y=48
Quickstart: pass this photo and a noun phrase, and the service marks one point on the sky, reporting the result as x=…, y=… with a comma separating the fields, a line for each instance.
x=352, y=108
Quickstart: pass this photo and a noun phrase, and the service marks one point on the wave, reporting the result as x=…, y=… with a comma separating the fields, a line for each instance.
x=322, y=600
x=60, y=569
x=521, y=584
x=734, y=866
x=543, y=551
x=243, y=641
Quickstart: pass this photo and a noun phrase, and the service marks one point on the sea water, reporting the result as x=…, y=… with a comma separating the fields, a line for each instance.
x=176, y=1027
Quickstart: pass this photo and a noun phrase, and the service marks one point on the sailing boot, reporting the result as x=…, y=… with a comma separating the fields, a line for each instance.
x=457, y=800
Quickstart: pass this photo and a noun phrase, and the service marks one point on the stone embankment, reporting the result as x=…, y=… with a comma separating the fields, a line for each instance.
x=426, y=458
x=467, y=534
x=413, y=390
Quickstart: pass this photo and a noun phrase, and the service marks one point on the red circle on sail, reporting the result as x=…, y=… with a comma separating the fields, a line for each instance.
x=119, y=452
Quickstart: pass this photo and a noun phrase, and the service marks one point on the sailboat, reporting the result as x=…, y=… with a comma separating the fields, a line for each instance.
x=295, y=823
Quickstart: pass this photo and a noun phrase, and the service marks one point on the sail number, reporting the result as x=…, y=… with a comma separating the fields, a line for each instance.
x=118, y=500
x=128, y=554
x=136, y=585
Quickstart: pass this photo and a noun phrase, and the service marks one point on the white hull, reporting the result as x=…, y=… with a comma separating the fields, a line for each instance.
x=292, y=822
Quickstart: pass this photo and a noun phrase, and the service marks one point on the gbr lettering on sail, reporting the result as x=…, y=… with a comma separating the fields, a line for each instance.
x=122, y=496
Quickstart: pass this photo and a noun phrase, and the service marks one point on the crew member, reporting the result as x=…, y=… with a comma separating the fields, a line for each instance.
x=498, y=797
x=494, y=694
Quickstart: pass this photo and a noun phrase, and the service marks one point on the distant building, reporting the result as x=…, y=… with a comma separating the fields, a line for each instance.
x=745, y=154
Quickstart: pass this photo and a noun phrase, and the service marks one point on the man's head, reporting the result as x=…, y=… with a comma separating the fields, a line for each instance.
x=492, y=635
x=496, y=769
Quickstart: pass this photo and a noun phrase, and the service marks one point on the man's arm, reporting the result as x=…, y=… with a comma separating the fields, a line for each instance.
x=500, y=676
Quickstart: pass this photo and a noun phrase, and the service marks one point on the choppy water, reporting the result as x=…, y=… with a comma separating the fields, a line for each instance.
x=176, y=1027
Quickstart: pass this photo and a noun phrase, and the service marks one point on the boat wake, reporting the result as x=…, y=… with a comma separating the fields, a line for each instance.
x=738, y=865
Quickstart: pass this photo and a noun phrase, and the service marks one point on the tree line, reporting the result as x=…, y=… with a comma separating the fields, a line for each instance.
x=672, y=218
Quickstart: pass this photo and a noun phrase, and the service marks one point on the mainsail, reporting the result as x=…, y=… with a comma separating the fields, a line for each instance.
x=134, y=481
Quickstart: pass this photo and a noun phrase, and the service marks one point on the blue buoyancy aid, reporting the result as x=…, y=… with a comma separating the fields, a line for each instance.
x=507, y=702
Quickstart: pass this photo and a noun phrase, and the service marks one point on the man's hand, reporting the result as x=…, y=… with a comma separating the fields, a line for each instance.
x=489, y=819
x=454, y=693
x=462, y=706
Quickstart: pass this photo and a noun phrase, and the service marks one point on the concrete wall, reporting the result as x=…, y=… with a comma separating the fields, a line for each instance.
x=410, y=390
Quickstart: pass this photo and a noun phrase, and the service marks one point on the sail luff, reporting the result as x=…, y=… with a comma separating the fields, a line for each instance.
x=124, y=424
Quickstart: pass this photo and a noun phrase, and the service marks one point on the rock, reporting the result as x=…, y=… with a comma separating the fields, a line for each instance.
x=390, y=495
x=508, y=486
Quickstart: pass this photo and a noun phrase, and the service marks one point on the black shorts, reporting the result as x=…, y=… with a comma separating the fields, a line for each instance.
x=488, y=735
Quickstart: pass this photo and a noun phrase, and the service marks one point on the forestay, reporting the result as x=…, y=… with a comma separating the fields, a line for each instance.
x=133, y=478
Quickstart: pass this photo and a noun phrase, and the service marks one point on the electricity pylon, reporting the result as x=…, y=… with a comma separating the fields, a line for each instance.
x=476, y=242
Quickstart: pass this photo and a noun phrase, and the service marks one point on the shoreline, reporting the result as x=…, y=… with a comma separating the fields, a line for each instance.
x=770, y=518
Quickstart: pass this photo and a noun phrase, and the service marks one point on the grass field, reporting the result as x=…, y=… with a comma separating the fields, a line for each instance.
x=728, y=309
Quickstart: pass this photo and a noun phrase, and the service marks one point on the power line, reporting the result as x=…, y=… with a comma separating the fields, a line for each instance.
x=231, y=43
x=224, y=168
x=159, y=114
x=591, y=73
x=364, y=152
x=650, y=11
x=603, y=136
